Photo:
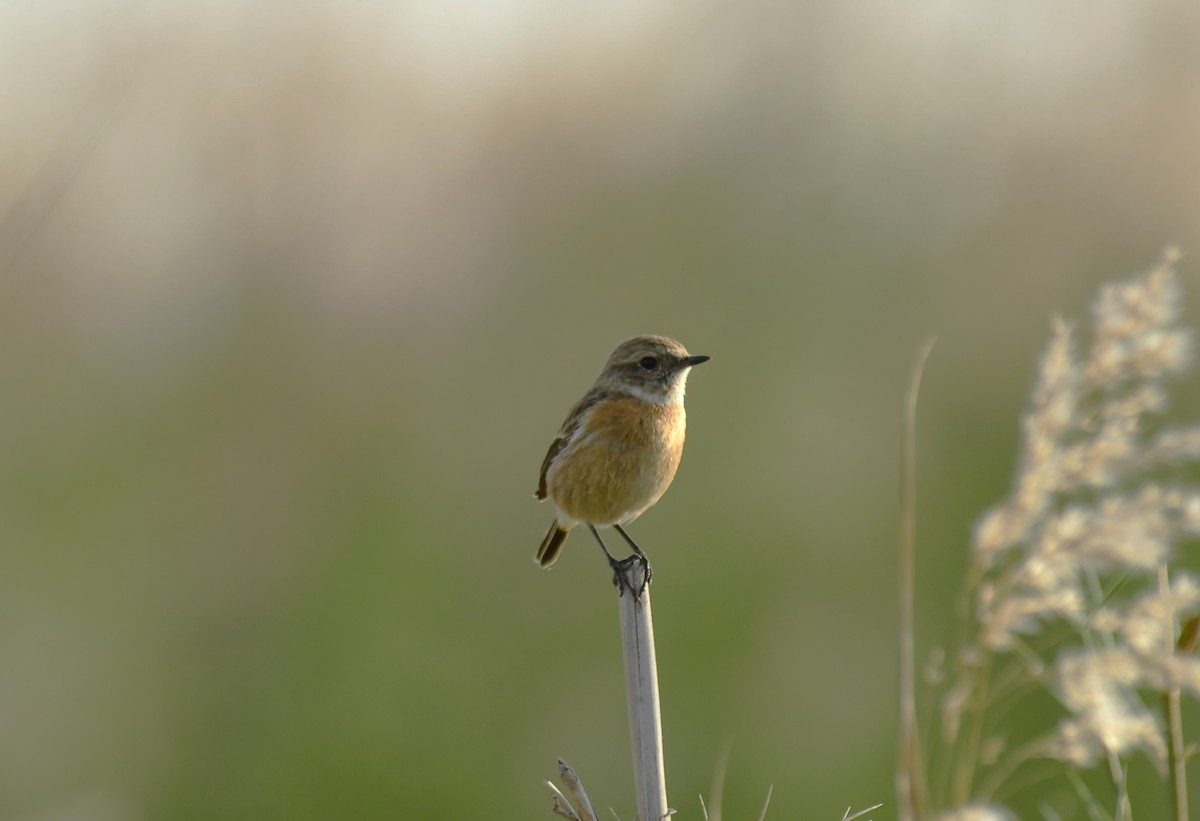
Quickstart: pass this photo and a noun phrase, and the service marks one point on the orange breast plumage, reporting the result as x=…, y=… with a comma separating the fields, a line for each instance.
x=621, y=459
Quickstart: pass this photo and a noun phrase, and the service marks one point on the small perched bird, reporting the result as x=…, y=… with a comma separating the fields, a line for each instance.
x=618, y=450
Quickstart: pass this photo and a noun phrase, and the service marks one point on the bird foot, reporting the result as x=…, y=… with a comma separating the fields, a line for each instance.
x=621, y=574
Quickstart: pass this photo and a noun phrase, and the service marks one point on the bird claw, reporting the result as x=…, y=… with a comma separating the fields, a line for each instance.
x=621, y=569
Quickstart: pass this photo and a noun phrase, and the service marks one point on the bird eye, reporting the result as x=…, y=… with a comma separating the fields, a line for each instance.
x=649, y=363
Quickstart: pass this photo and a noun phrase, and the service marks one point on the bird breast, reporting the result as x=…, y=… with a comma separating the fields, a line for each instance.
x=620, y=461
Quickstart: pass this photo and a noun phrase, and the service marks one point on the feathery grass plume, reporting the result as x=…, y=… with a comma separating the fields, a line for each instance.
x=1069, y=590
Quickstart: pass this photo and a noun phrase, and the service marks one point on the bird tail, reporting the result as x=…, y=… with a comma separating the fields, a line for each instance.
x=548, y=550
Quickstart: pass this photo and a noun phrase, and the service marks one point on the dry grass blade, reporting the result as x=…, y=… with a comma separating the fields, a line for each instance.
x=762, y=815
x=909, y=776
x=716, y=795
x=848, y=817
x=561, y=805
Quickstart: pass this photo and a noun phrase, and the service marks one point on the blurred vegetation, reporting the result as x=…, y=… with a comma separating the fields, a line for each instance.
x=295, y=295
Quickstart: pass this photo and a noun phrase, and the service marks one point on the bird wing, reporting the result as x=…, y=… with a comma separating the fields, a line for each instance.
x=566, y=433
x=556, y=447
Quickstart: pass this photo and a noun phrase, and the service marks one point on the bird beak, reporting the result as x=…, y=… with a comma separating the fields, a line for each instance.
x=689, y=361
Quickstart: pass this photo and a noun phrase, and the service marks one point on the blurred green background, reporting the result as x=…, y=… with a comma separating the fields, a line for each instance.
x=294, y=295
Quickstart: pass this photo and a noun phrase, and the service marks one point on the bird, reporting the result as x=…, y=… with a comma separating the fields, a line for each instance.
x=618, y=449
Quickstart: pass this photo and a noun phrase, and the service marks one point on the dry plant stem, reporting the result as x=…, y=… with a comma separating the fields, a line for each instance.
x=575, y=787
x=1176, y=755
x=965, y=759
x=641, y=688
x=1085, y=796
x=561, y=805
x=1000, y=773
x=949, y=786
x=909, y=777
x=1122, y=811
x=1173, y=705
